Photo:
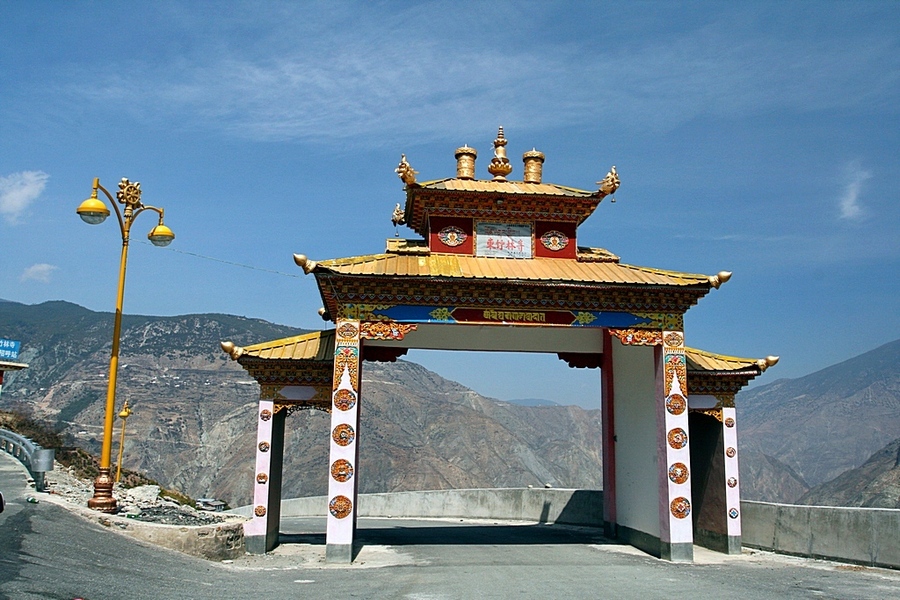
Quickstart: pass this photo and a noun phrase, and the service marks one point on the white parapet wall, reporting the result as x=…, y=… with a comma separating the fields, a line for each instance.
x=541, y=505
x=867, y=536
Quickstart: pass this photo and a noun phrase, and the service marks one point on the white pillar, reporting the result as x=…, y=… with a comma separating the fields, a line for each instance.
x=732, y=480
x=676, y=525
x=343, y=455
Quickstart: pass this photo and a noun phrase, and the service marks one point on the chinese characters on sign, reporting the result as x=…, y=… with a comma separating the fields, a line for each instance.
x=503, y=240
x=9, y=349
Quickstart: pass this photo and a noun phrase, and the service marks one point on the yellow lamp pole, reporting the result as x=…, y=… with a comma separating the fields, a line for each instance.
x=94, y=211
x=123, y=414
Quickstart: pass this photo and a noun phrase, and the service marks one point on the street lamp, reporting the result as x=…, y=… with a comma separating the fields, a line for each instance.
x=94, y=211
x=123, y=414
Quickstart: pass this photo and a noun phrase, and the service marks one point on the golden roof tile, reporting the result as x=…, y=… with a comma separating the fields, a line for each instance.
x=547, y=270
x=315, y=346
x=700, y=360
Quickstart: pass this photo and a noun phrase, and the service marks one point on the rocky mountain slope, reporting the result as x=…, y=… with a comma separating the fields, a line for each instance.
x=194, y=424
x=874, y=484
x=827, y=422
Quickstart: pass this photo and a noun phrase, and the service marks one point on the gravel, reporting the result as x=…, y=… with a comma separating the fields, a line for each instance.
x=142, y=503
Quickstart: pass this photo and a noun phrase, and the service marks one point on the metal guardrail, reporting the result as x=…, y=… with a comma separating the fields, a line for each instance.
x=37, y=460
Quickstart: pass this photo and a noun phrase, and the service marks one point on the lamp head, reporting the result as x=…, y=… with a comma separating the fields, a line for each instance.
x=161, y=235
x=93, y=211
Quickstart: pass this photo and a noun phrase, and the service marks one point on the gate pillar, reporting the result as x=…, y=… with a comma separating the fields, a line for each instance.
x=344, y=443
x=676, y=526
x=261, y=533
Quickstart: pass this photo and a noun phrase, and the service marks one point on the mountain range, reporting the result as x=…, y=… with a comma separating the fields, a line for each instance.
x=194, y=427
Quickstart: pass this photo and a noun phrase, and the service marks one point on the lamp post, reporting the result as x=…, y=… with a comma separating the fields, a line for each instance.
x=123, y=414
x=94, y=211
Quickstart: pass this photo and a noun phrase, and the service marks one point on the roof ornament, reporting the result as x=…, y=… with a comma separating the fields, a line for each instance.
x=304, y=263
x=465, y=162
x=405, y=171
x=765, y=363
x=610, y=183
x=231, y=350
x=398, y=218
x=500, y=166
x=719, y=278
x=534, y=161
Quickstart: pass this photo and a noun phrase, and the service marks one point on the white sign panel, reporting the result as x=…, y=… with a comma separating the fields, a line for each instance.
x=503, y=240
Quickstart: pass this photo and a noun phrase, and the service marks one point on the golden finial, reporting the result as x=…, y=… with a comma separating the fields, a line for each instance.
x=610, y=183
x=231, y=350
x=405, y=171
x=765, y=363
x=719, y=278
x=500, y=166
x=304, y=263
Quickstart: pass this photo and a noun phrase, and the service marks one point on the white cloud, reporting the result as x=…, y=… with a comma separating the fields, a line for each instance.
x=39, y=272
x=849, y=200
x=18, y=191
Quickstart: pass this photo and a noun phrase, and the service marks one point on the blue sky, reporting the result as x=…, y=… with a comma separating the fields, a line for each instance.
x=761, y=138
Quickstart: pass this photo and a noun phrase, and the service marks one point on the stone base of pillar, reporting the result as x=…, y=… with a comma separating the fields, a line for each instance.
x=339, y=553
x=718, y=542
x=679, y=552
x=682, y=552
x=255, y=544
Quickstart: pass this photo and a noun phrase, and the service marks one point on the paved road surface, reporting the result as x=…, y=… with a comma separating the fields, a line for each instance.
x=48, y=552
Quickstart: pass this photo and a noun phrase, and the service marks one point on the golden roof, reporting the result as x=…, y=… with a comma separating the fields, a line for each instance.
x=546, y=270
x=315, y=346
x=700, y=360
x=504, y=187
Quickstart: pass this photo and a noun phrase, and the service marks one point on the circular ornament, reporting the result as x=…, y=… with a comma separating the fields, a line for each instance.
x=678, y=438
x=344, y=399
x=732, y=482
x=261, y=478
x=264, y=446
x=678, y=472
x=340, y=507
x=265, y=414
x=341, y=470
x=343, y=435
x=730, y=452
x=347, y=330
x=674, y=339
x=733, y=513
x=680, y=507
x=452, y=236
x=729, y=422
x=676, y=404
x=260, y=511
x=554, y=240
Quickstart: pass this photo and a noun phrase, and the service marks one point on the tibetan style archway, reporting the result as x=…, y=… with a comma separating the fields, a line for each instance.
x=499, y=268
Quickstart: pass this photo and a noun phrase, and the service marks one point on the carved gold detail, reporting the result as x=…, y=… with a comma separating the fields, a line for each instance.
x=765, y=363
x=260, y=511
x=680, y=507
x=405, y=171
x=638, y=337
x=341, y=470
x=385, y=330
x=534, y=161
x=398, y=217
x=304, y=263
x=465, y=162
x=265, y=414
x=674, y=339
x=340, y=507
x=348, y=331
x=583, y=318
x=610, y=183
x=262, y=478
x=715, y=413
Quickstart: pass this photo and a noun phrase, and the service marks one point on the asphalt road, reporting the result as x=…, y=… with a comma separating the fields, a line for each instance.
x=48, y=552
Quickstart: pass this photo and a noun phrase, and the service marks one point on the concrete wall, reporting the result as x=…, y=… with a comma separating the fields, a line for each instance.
x=572, y=507
x=867, y=536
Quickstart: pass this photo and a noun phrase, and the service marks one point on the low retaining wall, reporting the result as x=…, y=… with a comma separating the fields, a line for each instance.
x=542, y=505
x=866, y=536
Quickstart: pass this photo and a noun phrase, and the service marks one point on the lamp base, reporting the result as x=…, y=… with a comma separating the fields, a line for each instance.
x=103, y=500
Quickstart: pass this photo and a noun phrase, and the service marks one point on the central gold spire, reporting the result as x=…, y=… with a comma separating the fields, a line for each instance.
x=500, y=166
